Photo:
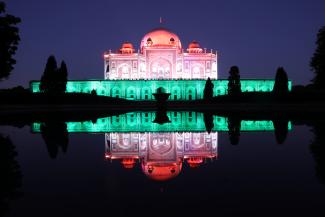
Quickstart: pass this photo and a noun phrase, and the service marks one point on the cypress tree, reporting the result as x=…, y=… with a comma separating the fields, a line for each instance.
x=62, y=77
x=54, y=79
x=234, y=86
x=49, y=76
x=208, y=90
x=281, y=82
x=317, y=62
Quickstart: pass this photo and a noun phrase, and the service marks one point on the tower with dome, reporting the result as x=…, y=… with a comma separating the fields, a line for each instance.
x=161, y=56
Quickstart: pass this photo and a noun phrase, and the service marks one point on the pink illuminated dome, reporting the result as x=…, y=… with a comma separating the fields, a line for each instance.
x=194, y=47
x=127, y=48
x=161, y=37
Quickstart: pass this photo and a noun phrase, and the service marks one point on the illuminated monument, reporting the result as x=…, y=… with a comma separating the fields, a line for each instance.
x=162, y=57
x=161, y=62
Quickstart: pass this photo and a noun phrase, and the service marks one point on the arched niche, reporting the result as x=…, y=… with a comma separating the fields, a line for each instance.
x=160, y=68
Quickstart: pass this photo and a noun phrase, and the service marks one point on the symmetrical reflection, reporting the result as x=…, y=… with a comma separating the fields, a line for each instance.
x=179, y=121
x=161, y=155
x=160, y=143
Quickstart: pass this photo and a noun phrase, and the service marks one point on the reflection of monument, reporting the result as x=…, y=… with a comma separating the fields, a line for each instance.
x=180, y=121
x=161, y=154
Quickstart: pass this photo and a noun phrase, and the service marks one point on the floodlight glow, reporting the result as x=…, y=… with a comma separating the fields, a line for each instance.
x=143, y=89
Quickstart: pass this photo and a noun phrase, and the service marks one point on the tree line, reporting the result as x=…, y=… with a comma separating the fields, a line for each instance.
x=234, y=86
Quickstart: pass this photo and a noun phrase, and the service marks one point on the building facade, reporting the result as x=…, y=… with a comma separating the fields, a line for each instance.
x=160, y=62
x=161, y=56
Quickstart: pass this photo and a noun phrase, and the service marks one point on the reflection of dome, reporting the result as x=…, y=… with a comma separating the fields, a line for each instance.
x=128, y=163
x=160, y=37
x=195, y=162
x=127, y=48
x=161, y=171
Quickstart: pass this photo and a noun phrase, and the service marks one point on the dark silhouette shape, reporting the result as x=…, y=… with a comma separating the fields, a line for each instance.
x=161, y=96
x=47, y=80
x=161, y=117
x=9, y=39
x=93, y=92
x=234, y=130
x=55, y=135
x=54, y=79
x=317, y=62
x=11, y=177
x=280, y=130
x=208, y=90
x=208, y=121
x=234, y=86
x=107, y=68
x=281, y=82
x=317, y=148
x=62, y=77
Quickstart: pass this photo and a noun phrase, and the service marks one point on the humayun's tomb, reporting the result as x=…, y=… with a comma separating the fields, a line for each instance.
x=161, y=61
x=134, y=138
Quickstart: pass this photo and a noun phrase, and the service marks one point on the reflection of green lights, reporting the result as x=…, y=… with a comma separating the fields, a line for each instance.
x=142, y=122
x=143, y=89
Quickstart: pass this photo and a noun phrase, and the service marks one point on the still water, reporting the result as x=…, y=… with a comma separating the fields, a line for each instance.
x=148, y=164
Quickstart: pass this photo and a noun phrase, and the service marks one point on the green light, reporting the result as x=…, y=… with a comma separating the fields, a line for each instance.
x=142, y=122
x=143, y=89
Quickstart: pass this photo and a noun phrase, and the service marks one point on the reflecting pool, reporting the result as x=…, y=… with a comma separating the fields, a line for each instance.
x=163, y=164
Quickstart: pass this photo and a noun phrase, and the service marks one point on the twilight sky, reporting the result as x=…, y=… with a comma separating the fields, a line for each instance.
x=256, y=35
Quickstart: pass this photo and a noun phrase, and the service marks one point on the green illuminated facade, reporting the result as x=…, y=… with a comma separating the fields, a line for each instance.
x=143, y=122
x=143, y=89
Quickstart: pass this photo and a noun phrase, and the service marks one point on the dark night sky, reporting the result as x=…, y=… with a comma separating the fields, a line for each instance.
x=256, y=35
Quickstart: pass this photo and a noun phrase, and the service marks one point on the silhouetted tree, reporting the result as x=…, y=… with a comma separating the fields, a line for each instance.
x=280, y=130
x=11, y=177
x=317, y=148
x=234, y=86
x=208, y=121
x=55, y=135
x=317, y=62
x=54, y=79
x=93, y=92
x=234, y=130
x=62, y=78
x=281, y=82
x=9, y=39
x=48, y=77
x=208, y=90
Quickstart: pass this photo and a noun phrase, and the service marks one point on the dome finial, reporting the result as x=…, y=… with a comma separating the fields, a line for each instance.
x=160, y=20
